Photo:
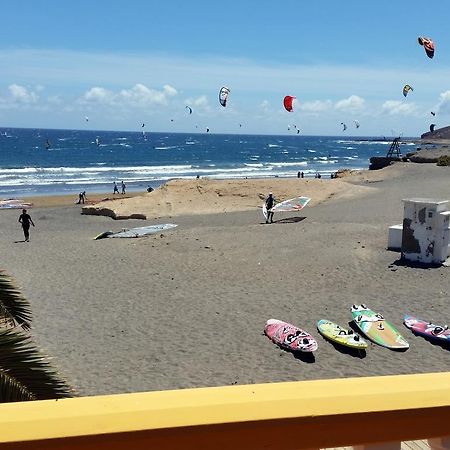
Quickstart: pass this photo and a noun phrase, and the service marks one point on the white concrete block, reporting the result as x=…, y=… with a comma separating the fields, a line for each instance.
x=395, y=237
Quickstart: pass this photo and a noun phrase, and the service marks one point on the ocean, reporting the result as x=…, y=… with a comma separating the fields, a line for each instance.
x=48, y=162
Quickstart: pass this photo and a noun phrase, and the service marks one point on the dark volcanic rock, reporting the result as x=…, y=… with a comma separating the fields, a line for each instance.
x=440, y=133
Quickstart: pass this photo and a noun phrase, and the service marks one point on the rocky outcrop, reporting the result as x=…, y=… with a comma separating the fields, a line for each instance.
x=440, y=133
x=108, y=212
x=379, y=162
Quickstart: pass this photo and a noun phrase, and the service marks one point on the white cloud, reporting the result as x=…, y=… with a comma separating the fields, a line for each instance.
x=98, y=94
x=264, y=106
x=444, y=103
x=21, y=94
x=394, y=107
x=316, y=106
x=201, y=102
x=353, y=103
x=138, y=95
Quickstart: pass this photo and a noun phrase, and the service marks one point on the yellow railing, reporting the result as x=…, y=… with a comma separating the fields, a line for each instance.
x=297, y=415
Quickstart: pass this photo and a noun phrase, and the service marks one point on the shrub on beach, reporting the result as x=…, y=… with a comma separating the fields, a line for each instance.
x=443, y=160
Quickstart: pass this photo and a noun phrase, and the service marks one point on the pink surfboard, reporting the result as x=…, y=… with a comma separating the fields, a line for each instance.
x=427, y=329
x=289, y=336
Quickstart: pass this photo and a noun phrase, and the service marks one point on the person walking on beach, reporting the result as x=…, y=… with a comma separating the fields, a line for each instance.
x=123, y=187
x=116, y=189
x=270, y=202
x=25, y=220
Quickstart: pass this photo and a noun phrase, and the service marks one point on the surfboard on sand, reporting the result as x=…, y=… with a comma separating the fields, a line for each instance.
x=13, y=203
x=143, y=231
x=427, y=329
x=103, y=235
x=340, y=335
x=377, y=328
x=289, y=336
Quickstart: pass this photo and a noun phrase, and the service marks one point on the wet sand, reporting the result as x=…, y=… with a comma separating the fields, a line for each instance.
x=187, y=307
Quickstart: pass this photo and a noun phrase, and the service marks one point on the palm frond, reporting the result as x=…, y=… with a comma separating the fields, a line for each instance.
x=14, y=308
x=25, y=372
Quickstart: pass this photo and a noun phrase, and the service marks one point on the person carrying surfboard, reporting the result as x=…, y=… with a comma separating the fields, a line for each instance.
x=270, y=202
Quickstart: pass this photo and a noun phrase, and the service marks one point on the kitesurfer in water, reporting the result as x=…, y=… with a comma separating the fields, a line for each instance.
x=25, y=220
x=270, y=203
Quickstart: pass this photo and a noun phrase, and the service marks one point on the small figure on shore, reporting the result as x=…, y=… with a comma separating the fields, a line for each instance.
x=81, y=197
x=298, y=174
x=198, y=177
x=123, y=187
x=25, y=220
x=302, y=175
x=149, y=189
x=270, y=202
x=116, y=189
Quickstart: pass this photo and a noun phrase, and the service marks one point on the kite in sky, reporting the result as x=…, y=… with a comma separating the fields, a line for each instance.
x=344, y=126
x=223, y=96
x=189, y=109
x=427, y=44
x=406, y=89
x=356, y=123
x=287, y=102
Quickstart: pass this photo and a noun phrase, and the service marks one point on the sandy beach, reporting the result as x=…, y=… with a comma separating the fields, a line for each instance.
x=187, y=307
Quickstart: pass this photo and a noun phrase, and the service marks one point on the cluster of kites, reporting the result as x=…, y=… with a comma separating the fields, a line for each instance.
x=428, y=46
x=288, y=100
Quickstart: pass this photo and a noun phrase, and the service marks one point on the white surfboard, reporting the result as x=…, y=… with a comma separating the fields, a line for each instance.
x=143, y=231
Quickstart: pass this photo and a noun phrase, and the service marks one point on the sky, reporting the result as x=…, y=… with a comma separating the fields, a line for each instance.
x=115, y=65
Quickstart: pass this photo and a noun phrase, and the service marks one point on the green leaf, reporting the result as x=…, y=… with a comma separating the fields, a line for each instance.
x=14, y=308
x=25, y=372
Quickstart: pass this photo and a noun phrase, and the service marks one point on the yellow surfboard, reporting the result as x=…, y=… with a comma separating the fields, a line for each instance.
x=339, y=335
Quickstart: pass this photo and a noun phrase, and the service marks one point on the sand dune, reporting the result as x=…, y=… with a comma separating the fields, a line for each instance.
x=181, y=197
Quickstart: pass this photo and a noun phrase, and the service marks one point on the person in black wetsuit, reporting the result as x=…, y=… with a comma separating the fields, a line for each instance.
x=25, y=220
x=270, y=202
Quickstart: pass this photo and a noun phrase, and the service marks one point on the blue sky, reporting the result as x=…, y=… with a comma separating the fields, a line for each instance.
x=124, y=63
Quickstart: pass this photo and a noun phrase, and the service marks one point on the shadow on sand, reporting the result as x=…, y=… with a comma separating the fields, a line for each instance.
x=287, y=220
x=402, y=262
x=353, y=352
x=307, y=357
x=444, y=344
